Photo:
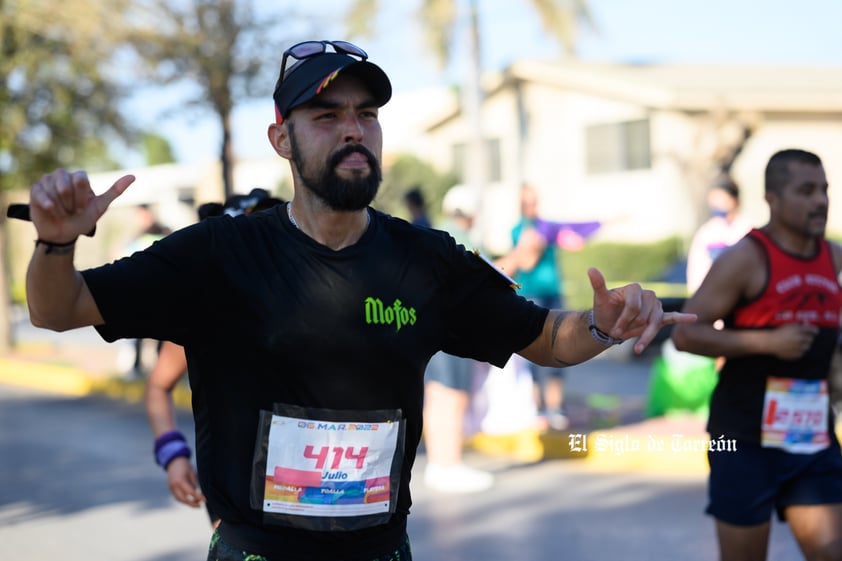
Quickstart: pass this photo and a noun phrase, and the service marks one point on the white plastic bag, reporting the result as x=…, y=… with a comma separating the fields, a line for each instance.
x=508, y=398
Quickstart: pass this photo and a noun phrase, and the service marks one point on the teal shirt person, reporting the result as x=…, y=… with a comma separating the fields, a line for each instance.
x=543, y=280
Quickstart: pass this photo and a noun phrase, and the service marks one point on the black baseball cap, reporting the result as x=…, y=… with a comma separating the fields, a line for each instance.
x=306, y=79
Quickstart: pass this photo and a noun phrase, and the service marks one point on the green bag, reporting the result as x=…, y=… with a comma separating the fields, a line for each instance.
x=680, y=382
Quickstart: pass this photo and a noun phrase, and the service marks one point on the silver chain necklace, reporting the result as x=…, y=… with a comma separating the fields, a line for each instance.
x=291, y=217
x=297, y=227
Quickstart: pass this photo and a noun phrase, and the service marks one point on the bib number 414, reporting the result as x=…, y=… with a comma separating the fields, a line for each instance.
x=339, y=453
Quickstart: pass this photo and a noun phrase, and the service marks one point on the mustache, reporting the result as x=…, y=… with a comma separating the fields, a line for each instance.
x=351, y=149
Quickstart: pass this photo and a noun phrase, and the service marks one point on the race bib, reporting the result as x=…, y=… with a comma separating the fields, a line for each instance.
x=326, y=469
x=795, y=415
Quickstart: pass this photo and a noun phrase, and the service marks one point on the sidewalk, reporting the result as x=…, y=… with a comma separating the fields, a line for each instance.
x=74, y=363
x=605, y=401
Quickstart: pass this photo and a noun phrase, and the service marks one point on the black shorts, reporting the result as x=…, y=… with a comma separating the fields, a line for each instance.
x=220, y=550
x=745, y=486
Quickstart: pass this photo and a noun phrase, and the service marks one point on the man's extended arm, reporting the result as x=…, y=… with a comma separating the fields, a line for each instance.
x=620, y=313
x=62, y=207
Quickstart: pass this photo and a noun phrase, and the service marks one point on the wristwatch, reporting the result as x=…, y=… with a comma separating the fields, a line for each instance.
x=600, y=336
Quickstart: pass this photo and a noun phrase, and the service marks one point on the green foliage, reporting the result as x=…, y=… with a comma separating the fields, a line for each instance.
x=438, y=21
x=361, y=17
x=620, y=263
x=561, y=20
x=226, y=47
x=157, y=149
x=96, y=157
x=405, y=173
x=56, y=90
x=18, y=292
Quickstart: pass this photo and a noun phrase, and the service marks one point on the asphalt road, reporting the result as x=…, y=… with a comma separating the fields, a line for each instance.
x=77, y=482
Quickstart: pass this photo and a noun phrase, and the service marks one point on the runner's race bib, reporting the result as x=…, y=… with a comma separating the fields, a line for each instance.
x=326, y=469
x=795, y=415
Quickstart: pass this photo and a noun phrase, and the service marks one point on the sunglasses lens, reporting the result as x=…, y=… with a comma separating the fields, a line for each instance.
x=349, y=48
x=306, y=49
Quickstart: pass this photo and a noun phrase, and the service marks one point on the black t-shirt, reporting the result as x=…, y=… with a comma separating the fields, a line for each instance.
x=267, y=315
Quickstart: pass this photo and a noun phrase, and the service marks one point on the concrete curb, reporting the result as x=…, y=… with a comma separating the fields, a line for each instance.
x=71, y=380
x=664, y=446
x=47, y=377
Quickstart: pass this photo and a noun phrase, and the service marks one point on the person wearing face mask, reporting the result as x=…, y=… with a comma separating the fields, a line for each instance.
x=724, y=228
x=682, y=381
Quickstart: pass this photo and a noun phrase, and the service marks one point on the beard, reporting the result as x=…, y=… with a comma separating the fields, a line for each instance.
x=335, y=192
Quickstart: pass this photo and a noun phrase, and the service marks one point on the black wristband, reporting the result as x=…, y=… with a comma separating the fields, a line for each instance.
x=56, y=248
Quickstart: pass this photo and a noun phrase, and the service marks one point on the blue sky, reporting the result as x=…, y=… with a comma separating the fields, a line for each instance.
x=738, y=31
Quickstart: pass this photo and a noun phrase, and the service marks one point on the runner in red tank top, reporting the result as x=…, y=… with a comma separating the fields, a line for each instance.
x=777, y=292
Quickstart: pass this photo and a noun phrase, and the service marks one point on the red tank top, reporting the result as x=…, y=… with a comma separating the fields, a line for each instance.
x=798, y=290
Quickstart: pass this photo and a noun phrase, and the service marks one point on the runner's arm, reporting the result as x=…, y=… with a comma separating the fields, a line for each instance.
x=622, y=313
x=738, y=274
x=62, y=207
x=168, y=369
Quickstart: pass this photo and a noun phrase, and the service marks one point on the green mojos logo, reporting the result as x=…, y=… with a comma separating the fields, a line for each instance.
x=378, y=314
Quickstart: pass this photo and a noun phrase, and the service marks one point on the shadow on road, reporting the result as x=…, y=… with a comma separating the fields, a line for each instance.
x=105, y=457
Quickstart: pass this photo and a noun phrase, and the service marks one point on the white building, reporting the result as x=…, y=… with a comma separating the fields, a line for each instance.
x=630, y=145
x=634, y=145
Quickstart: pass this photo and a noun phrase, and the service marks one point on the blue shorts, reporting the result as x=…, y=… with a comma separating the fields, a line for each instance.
x=451, y=371
x=747, y=485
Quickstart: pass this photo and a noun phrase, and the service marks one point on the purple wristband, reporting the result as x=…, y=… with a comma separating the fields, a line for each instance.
x=169, y=446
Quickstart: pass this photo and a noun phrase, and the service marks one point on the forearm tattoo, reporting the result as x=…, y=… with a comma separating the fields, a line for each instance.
x=556, y=326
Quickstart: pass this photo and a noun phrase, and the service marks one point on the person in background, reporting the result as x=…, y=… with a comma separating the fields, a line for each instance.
x=308, y=327
x=773, y=444
x=683, y=371
x=256, y=200
x=534, y=264
x=683, y=381
x=417, y=207
x=448, y=383
x=171, y=450
x=725, y=227
x=150, y=230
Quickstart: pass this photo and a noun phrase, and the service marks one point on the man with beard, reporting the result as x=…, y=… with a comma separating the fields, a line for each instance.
x=773, y=442
x=307, y=372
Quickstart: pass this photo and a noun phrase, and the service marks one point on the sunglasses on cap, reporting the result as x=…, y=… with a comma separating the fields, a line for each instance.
x=307, y=49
